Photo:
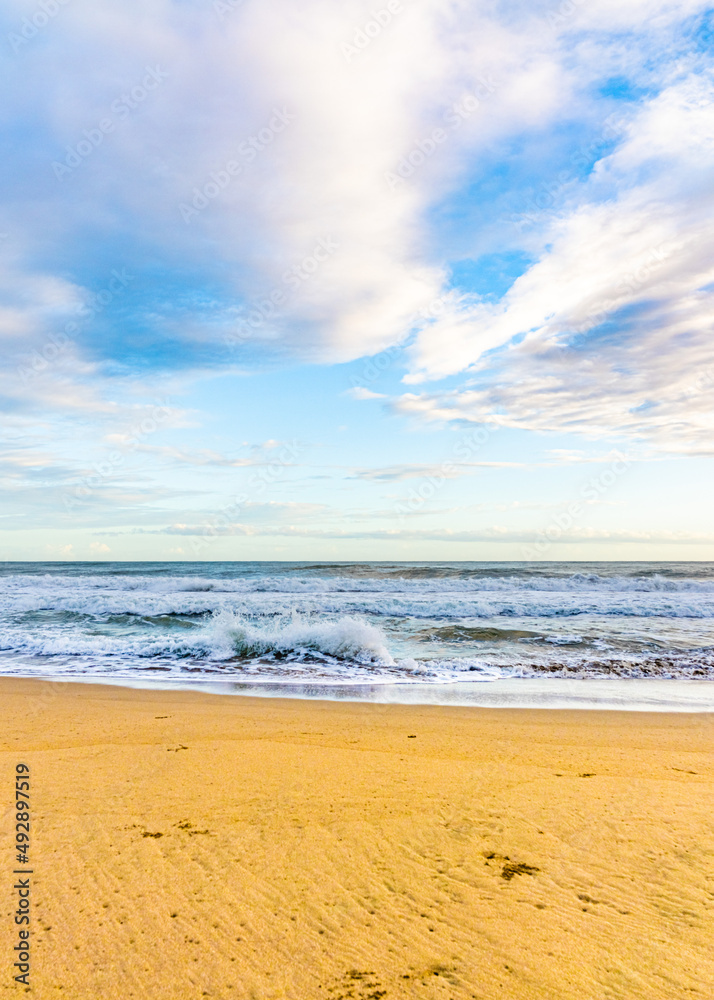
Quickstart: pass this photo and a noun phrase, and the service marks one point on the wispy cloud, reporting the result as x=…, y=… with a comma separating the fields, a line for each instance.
x=260, y=455
x=495, y=534
x=361, y=392
x=397, y=473
x=608, y=331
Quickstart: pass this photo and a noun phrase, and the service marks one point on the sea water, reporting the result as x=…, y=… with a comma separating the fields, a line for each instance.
x=618, y=634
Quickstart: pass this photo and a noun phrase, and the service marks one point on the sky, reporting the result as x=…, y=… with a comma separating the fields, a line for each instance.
x=310, y=279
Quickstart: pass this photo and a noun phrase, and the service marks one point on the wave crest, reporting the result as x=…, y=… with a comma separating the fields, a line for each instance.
x=344, y=639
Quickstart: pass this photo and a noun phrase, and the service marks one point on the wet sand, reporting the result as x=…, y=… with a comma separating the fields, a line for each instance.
x=189, y=845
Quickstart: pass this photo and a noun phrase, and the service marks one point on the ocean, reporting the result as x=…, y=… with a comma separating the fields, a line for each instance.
x=409, y=631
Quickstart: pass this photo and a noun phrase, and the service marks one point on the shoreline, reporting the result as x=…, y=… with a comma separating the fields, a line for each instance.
x=192, y=845
x=539, y=693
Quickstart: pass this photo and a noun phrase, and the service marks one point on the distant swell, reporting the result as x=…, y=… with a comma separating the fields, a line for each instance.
x=447, y=599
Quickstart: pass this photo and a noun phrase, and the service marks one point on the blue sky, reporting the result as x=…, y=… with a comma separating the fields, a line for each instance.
x=426, y=280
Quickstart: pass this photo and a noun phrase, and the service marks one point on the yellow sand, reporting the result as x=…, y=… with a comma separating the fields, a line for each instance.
x=189, y=846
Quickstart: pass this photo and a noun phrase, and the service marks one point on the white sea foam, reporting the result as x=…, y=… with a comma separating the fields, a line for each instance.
x=440, y=623
x=581, y=583
x=393, y=598
x=344, y=639
x=225, y=636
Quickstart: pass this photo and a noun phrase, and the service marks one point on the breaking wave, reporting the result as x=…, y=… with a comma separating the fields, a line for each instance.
x=225, y=636
x=344, y=639
x=336, y=622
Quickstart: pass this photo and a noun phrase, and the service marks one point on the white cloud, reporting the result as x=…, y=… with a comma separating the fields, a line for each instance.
x=347, y=124
x=261, y=455
x=360, y=392
x=60, y=551
x=445, y=470
x=610, y=331
x=489, y=534
x=322, y=177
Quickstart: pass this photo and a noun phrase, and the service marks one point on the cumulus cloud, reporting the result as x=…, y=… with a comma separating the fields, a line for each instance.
x=304, y=241
x=254, y=152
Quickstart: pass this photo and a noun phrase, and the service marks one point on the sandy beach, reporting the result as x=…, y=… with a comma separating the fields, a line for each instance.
x=188, y=845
